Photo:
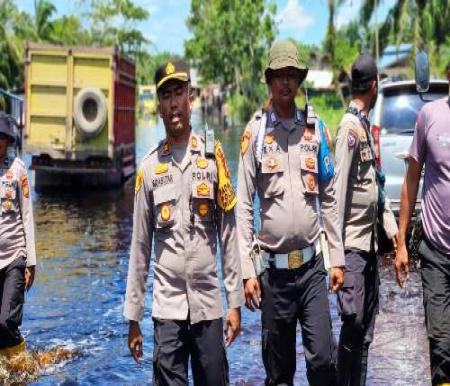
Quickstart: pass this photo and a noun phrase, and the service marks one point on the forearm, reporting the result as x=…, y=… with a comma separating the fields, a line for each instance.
x=408, y=199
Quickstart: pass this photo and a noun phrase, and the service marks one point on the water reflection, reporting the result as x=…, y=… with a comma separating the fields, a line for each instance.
x=82, y=242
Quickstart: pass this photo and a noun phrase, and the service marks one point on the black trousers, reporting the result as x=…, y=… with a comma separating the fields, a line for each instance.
x=358, y=302
x=12, y=294
x=435, y=270
x=289, y=296
x=176, y=340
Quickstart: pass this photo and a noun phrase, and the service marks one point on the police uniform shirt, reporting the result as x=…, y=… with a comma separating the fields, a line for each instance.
x=185, y=208
x=286, y=180
x=357, y=188
x=16, y=214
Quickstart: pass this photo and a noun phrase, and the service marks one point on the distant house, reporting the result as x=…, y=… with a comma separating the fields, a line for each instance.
x=320, y=80
x=395, y=61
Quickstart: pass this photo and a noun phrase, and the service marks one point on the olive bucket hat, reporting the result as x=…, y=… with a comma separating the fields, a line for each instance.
x=284, y=53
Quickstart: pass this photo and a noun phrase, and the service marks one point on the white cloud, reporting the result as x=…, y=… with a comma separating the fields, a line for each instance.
x=347, y=12
x=293, y=16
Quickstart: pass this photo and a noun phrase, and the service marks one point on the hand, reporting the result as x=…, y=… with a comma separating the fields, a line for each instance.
x=336, y=278
x=135, y=341
x=232, y=325
x=252, y=293
x=401, y=264
x=29, y=277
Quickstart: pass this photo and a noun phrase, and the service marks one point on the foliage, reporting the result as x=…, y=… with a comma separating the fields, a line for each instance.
x=422, y=22
x=229, y=44
x=113, y=22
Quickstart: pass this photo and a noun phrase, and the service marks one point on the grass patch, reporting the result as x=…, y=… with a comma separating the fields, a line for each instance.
x=328, y=107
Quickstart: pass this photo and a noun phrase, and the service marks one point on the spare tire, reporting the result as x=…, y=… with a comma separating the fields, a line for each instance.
x=90, y=111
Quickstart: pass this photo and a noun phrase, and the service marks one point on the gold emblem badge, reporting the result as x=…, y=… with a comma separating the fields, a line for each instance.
x=161, y=168
x=269, y=139
x=25, y=188
x=166, y=148
x=310, y=163
x=165, y=212
x=194, y=142
x=203, y=209
x=139, y=181
x=7, y=205
x=272, y=163
x=170, y=68
x=245, y=140
x=311, y=182
x=202, y=163
x=203, y=190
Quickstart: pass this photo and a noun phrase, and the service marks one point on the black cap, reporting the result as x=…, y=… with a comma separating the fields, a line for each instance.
x=172, y=69
x=364, y=70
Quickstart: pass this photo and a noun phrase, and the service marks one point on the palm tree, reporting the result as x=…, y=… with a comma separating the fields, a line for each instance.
x=43, y=11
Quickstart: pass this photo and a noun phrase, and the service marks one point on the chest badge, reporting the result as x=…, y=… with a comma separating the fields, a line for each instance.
x=202, y=163
x=165, y=212
x=269, y=139
x=7, y=205
x=203, y=190
x=311, y=163
x=203, y=209
x=161, y=168
x=272, y=163
x=311, y=182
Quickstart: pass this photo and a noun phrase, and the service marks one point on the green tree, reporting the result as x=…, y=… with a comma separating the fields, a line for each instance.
x=422, y=22
x=113, y=22
x=43, y=11
x=67, y=30
x=230, y=42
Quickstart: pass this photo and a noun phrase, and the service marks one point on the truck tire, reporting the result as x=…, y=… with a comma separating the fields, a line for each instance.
x=90, y=111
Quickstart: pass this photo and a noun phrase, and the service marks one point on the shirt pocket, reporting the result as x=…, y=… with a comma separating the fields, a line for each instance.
x=272, y=172
x=8, y=195
x=164, y=208
x=309, y=174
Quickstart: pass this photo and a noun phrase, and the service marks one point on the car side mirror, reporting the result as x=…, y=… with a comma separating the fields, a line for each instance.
x=422, y=72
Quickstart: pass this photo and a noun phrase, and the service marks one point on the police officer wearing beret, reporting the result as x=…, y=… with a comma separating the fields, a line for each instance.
x=184, y=201
x=17, y=246
x=362, y=204
x=287, y=164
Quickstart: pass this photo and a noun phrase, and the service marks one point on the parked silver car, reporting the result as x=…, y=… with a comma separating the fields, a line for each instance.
x=393, y=121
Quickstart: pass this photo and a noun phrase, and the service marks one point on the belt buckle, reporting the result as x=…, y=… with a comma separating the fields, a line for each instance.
x=295, y=259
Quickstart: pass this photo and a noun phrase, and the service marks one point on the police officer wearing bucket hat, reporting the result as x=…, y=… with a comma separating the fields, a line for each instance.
x=362, y=207
x=184, y=203
x=17, y=246
x=286, y=162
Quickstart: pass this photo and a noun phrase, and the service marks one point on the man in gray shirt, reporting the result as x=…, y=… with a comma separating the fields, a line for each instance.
x=360, y=208
x=431, y=147
x=17, y=246
x=184, y=200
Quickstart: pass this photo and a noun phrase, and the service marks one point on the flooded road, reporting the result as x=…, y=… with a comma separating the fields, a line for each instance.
x=76, y=303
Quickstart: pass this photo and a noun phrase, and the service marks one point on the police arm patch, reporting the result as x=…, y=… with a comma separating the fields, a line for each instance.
x=25, y=187
x=226, y=198
x=139, y=181
x=352, y=136
x=245, y=141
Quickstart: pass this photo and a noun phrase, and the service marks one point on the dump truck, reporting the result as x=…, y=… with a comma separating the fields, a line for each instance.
x=79, y=115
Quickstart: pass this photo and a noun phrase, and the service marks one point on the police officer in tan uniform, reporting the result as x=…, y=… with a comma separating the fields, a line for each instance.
x=287, y=164
x=17, y=246
x=361, y=203
x=184, y=200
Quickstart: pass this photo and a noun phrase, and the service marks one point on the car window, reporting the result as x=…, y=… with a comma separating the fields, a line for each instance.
x=401, y=106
